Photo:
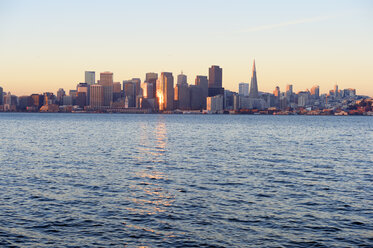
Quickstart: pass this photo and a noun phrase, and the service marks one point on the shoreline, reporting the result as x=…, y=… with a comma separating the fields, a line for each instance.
x=208, y=114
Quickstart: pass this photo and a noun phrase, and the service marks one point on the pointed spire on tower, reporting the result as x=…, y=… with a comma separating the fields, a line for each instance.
x=254, y=84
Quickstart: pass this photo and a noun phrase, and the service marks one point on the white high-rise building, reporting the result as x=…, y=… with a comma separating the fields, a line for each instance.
x=90, y=77
x=243, y=89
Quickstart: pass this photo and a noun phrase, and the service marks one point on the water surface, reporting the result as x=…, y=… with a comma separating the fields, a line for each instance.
x=99, y=180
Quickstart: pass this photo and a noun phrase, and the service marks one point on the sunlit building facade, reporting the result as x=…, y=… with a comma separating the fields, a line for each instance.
x=165, y=91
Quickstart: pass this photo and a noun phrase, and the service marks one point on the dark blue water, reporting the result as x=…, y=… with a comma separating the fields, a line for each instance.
x=87, y=180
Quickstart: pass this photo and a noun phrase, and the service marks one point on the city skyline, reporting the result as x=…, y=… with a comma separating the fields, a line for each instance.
x=46, y=46
x=159, y=94
x=190, y=82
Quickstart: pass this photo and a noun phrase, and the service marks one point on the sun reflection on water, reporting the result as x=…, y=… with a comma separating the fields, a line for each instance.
x=148, y=197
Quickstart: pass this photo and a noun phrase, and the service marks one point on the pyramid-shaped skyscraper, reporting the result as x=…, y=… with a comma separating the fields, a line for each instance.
x=254, y=84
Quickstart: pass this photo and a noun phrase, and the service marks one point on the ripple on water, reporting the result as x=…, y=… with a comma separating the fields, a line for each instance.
x=185, y=181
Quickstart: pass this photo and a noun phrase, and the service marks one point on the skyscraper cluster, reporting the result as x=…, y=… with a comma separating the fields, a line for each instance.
x=160, y=93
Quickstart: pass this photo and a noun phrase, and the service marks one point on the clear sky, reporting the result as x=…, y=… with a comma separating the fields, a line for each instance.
x=46, y=45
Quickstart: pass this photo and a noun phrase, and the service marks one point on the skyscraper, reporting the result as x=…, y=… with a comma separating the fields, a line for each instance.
x=96, y=95
x=106, y=80
x=254, y=84
x=151, y=77
x=215, y=81
x=289, y=90
x=202, y=82
x=137, y=81
x=182, y=79
x=182, y=96
x=277, y=92
x=90, y=77
x=243, y=89
x=196, y=97
x=82, y=89
x=215, y=77
x=147, y=90
x=1, y=96
x=37, y=100
x=129, y=88
x=60, y=94
x=336, y=92
x=315, y=91
x=165, y=91
x=277, y=95
x=117, y=91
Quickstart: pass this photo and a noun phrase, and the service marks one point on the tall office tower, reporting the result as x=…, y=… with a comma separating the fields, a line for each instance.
x=49, y=98
x=37, y=100
x=10, y=102
x=137, y=82
x=147, y=90
x=165, y=91
x=203, y=82
x=197, y=99
x=117, y=91
x=254, y=84
x=10, y=99
x=243, y=89
x=129, y=89
x=215, y=77
x=336, y=93
x=24, y=102
x=289, y=90
x=106, y=80
x=229, y=99
x=73, y=94
x=277, y=95
x=82, y=90
x=151, y=77
x=303, y=98
x=182, y=96
x=1, y=96
x=60, y=94
x=182, y=79
x=89, y=77
x=215, y=81
x=81, y=99
x=315, y=91
x=277, y=92
x=68, y=101
x=96, y=97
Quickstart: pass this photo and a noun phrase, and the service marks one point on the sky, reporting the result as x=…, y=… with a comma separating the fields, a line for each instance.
x=47, y=45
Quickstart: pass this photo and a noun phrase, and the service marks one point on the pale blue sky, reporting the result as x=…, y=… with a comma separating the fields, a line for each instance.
x=45, y=45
